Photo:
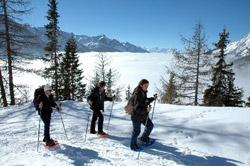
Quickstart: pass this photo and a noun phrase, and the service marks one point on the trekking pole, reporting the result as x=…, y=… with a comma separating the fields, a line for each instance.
x=110, y=113
x=59, y=105
x=39, y=129
x=87, y=125
x=153, y=108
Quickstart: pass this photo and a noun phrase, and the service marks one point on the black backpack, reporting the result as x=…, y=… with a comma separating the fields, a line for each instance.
x=38, y=91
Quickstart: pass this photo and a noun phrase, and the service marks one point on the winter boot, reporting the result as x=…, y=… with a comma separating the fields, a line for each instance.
x=93, y=132
x=135, y=147
x=50, y=143
x=146, y=140
x=101, y=133
x=45, y=139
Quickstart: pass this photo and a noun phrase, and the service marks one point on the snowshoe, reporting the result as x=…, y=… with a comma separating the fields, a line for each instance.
x=102, y=134
x=51, y=144
x=147, y=141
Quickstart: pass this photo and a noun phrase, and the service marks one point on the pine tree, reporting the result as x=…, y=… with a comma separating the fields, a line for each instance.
x=248, y=102
x=72, y=87
x=169, y=94
x=118, y=91
x=223, y=92
x=128, y=92
x=52, y=47
x=190, y=67
x=111, y=77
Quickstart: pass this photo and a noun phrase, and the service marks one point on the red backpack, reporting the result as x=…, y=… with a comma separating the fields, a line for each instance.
x=38, y=91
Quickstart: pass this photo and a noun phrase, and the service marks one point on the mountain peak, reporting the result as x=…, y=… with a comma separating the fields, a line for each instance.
x=85, y=43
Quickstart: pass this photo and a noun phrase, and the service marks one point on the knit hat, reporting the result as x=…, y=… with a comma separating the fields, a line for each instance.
x=47, y=87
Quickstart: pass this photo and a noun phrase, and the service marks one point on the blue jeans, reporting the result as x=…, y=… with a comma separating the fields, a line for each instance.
x=46, y=120
x=137, y=130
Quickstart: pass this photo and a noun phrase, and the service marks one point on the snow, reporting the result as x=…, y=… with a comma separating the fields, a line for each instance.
x=132, y=68
x=186, y=135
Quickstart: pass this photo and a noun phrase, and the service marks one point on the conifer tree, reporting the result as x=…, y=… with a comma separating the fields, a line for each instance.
x=222, y=92
x=169, y=94
x=72, y=87
x=248, y=102
x=52, y=47
x=111, y=77
x=128, y=92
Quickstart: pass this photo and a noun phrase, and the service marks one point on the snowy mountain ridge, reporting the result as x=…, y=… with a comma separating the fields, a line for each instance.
x=239, y=49
x=100, y=43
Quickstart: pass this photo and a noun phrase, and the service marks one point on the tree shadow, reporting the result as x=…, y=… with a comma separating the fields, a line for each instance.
x=174, y=153
x=78, y=155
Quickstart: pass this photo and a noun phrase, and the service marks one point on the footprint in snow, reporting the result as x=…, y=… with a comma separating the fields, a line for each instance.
x=175, y=141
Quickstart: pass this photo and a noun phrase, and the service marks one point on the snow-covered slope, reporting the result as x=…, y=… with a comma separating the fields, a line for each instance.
x=239, y=49
x=196, y=136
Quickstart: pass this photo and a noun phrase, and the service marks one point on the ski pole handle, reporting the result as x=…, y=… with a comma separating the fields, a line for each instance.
x=58, y=107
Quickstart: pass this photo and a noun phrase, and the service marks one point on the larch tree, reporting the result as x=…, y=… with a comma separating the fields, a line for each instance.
x=191, y=67
x=14, y=40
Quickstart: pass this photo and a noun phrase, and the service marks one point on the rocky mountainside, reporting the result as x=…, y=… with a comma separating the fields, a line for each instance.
x=85, y=43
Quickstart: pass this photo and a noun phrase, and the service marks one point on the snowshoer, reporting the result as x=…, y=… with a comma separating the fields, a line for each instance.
x=140, y=114
x=96, y=101
x=43, y=104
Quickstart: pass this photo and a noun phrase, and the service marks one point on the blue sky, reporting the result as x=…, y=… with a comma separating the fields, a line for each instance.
x=148, y=23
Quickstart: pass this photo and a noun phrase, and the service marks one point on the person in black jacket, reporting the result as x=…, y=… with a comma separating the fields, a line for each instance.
x=43, y=104
x=96, y=101
x=140, y=114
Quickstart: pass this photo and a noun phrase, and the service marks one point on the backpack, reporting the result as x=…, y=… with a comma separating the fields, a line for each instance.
x=129, y=107
x=38, y=91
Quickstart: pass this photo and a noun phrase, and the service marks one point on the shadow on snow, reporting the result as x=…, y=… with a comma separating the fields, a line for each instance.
x=78, y=155
x=174, y=154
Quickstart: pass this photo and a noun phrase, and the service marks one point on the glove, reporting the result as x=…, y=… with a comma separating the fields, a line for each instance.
x=58, y=107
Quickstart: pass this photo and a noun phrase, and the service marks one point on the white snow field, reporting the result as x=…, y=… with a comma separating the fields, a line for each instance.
x=186, y=135
x=132, y=68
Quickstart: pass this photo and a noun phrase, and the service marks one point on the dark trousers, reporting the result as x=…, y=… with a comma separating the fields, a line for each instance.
x=97, y=114
x=46, y=120
x=137, y=130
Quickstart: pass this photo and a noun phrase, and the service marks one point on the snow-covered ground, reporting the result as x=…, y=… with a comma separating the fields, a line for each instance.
x=186, y=135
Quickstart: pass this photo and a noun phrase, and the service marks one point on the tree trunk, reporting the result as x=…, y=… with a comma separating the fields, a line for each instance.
x=11, y=84
x=197, y=75
x=56, y=77
x=5, y=104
